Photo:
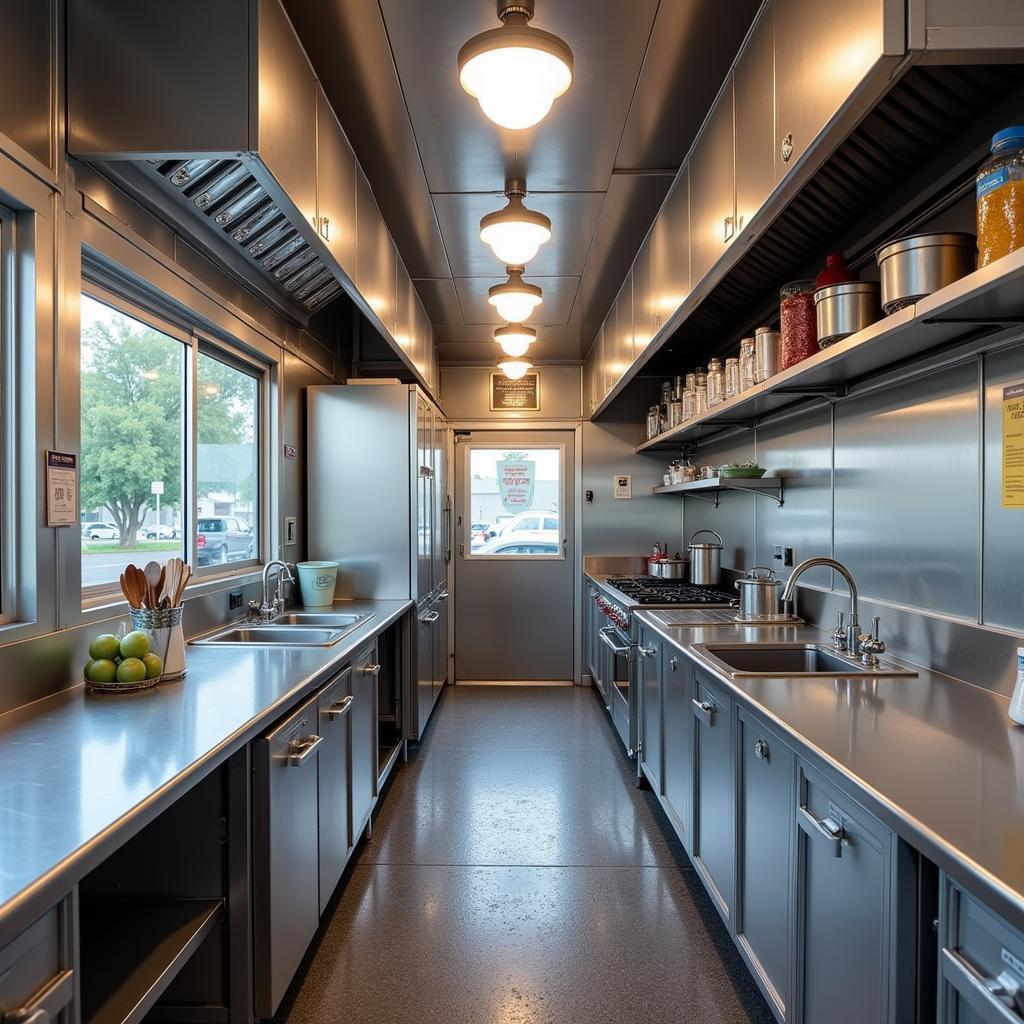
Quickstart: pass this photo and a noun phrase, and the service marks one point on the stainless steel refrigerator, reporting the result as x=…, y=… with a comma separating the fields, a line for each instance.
x=378, y=505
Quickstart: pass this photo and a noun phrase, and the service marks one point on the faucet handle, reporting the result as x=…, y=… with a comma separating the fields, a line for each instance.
x=872, y=645
x=876, y=620
x=839, y=636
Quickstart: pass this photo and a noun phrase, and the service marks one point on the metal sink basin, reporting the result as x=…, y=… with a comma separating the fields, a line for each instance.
x=321, y=618
x=789, y=660
x=276, y=636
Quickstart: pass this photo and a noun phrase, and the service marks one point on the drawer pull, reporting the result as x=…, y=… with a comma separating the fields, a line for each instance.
x=606, y=634
x=704, y=710
x=302, y=750
x=341, y=707
x=371, y=669
x=826, y=830
x=47, y=1002
x=977, y=989
x=430, y=617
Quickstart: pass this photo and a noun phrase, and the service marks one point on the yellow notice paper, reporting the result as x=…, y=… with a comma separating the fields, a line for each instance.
x=1013, y=446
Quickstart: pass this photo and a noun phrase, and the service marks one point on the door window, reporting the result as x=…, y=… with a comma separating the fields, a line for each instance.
x=515, y=500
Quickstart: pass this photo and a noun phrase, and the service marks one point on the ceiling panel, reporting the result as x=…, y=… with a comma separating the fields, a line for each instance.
x=574, y=147
x=559, y=297
x=573, y=216
x=439, y=300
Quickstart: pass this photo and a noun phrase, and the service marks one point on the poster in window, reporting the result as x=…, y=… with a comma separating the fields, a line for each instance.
x=516, y=479
x=61, y=489
x=1013, y=446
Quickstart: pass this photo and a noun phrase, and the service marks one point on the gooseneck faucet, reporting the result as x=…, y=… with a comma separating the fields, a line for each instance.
x=853, y=626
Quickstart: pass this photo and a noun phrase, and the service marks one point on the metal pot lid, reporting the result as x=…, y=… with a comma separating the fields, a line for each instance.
x=752, y=579
x=956, y=239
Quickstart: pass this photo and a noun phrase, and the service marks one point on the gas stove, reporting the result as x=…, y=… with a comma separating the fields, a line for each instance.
x=653, y=590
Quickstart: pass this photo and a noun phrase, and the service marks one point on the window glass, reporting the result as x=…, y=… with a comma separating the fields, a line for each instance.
x=227, y=463
x=514, y=501
x=132, y=443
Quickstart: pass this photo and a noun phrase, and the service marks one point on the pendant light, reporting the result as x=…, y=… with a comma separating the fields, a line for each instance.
x=515, y=300
x=515, y=339
x=515, y=368
x=515, y=72
x=515, y=233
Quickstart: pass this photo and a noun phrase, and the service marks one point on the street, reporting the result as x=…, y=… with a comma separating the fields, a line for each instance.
x=106, y=566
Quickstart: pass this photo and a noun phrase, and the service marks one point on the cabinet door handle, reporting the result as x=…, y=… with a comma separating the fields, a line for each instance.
x=673, y=663
x=761, y=750
x=728, y=229
x=325, y=228
x=704, y=710
x=966, y=979
x=340, y=708
x=786, y=149
x=605, y=636
x=826, y=830
x=372, y=669
x=430, y=617
x=46, y=1004
x=302, y=750
x=647, y=652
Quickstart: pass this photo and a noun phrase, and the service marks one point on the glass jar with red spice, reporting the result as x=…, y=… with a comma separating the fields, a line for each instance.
x=798, y=323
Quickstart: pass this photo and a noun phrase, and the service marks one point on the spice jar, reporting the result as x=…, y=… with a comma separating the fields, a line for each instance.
x=732, y=377
x=799, y=326
x=689, y=388
x=999, y=187
x=748, y=376
x=675, y=412
x=653, y=421
x=700, y=393
x=716, y=383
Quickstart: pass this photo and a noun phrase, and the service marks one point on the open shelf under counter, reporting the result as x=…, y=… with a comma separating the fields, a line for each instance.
x=954, y=321
x=770, y=486
x=132, y=949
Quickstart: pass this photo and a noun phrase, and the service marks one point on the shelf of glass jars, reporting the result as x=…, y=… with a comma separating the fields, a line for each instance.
x=709, y=488
x=960, y=318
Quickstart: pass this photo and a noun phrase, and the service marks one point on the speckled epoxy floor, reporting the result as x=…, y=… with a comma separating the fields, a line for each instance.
x=516, y=875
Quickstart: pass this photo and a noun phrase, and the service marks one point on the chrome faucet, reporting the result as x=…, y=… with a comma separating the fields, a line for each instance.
x=271, y=609
x=853, y=626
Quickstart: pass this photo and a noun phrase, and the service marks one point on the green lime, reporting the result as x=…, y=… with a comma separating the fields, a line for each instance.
x=85, y=669
x=134, y=644
x=131, y=670
x=154, y=666
x=102, y=670
x=105, y=646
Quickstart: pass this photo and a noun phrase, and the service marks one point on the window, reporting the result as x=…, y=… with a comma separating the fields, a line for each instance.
x=132, y=443
x=150, y=487
x=227, y=462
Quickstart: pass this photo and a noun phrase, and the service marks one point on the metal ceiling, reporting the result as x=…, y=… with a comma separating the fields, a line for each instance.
x=599, y=165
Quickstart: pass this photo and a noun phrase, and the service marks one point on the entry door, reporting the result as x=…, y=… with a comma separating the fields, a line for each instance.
x=514, y=592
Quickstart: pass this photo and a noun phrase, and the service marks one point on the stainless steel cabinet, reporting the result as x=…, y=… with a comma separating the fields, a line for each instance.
x=845, y=909
x=336, y=187
x=713, y=823
x=334, y=705
x=376, y=265
x=426, y=617
x=820, y=62
x=363, y=720
x=425, y=502
x=37, y=982
x=590, y=632
x=766, y=777
x=286, y=909
x=649, y=654
x=677, y=742
x=27, y=114
x=593, y=374
x=670, y=251
x=713, y=187
x=405, y=314
x=619, y=329
x=754, y=97
x=645, y=324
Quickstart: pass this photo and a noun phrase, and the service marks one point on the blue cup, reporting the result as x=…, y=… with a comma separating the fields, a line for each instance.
x=316, y=583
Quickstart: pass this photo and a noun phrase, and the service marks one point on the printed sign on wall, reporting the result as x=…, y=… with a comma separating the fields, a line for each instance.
x=515, y=483
x=61, y=489
x=522, y=394
x=1013, y=446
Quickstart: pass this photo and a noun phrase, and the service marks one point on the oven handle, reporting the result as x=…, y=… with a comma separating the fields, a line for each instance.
x=606, y=639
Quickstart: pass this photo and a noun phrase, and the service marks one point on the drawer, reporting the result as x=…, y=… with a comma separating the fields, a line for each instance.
x=981, y=963
x=36, y=980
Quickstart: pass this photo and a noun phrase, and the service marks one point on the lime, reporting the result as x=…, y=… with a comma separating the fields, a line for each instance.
x=134, y=644
x=131, y=670
x=154, y=666
x=105, y=646
x=85, y=669
x=102, y=670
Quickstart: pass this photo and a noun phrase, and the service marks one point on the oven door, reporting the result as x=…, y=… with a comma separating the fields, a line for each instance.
x=619, y=667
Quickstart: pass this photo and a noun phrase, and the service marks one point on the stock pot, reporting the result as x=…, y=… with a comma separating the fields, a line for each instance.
x=706, y=560
x=759, y=595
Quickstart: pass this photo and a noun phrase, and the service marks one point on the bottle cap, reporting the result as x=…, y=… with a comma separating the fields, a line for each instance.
x=1012, y=136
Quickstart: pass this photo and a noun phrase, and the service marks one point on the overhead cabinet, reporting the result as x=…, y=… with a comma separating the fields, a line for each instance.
x=336, y=187
x=670, y=252
x=376, y=260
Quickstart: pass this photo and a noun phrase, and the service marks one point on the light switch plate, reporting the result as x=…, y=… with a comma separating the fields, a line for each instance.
x=290, y=528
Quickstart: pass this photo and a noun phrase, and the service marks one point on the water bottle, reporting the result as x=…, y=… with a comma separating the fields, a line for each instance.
x=1017, y=700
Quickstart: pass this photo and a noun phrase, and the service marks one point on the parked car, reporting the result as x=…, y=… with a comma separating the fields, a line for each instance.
x=223, y=539
x=160, y=532
x=100, y=531
x=521, y=542
x=545, y=520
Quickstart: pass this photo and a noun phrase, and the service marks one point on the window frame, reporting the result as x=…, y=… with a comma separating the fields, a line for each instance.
x=8, y=419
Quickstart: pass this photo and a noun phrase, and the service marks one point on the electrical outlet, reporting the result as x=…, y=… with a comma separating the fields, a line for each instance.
x=789, y=557
x=234, y=599
x=290, y=528
x=777, y=552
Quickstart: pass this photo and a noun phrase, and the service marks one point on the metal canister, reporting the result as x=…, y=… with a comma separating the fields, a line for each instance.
x=706, y=560
x=766, y=354
x=732, y=377
x=759, y=595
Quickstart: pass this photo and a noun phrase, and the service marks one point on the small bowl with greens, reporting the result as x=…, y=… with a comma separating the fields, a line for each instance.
x=741, y=471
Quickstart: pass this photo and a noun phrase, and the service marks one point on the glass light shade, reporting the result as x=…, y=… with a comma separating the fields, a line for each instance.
x=515, y=72
x=515, y=368
x=515, y=300
x=515, y=233
x=515, y=339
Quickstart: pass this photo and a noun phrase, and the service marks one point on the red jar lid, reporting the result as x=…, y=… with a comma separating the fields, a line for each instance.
x=836, y=271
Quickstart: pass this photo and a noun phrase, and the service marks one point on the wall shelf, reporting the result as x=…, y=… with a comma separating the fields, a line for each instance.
x=709, y=490
x=133, y=949
x=960, y=318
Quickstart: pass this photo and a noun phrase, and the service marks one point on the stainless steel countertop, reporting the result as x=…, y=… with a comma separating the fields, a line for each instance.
x=80, y=774
x=937, y=759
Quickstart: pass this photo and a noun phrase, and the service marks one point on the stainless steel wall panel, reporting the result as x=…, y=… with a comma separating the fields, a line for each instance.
x=906, y=492
x=1003, y=590
x=465, y=390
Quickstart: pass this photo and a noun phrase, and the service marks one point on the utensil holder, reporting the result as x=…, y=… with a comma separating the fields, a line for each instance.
x=169, y=641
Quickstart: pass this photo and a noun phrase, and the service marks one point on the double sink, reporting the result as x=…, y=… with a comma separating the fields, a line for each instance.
x=774, y=661
x=293, y=629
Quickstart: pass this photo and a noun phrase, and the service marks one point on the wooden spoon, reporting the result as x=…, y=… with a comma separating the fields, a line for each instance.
x=186, y=575
x=134, y=585
x=154, y=578
x=172, y=576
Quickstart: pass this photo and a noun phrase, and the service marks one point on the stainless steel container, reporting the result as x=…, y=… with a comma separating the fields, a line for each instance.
x=706, y=560
x=668, y=568
x=845, y=309
x=766, y=354
x=759, y=595
x=918, y=265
